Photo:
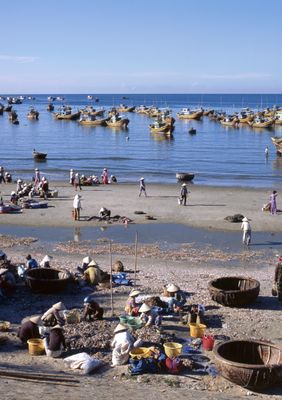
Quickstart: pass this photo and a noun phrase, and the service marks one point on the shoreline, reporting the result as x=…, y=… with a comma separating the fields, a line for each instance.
x=207, y=206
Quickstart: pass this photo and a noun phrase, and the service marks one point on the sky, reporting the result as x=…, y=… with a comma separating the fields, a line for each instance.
x=133, y=46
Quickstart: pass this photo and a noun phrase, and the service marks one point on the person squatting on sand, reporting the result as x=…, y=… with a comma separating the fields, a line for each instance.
x=29, y=329
x=92, y=309
x=54, y=342
x=54, y=316
x=132, y=307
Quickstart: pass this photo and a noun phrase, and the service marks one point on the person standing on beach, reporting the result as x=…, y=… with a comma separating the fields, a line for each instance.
x=142, y=187
x=273, y=206
x=71, y=176
x=36, y=177
x=183, y=194
x=278, y=279
x=247, y=231
x=76, y=182
x=77, y=207
x=2, y=175
x=105, y=178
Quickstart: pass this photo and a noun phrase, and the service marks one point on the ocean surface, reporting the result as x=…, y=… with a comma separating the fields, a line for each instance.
x=217, y=155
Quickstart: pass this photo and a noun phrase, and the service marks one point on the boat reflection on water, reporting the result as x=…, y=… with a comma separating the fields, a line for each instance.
x=160, y=137
x=277, y=163
x=77, y=235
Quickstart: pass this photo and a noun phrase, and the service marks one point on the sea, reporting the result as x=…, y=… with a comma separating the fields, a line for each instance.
x=217, y=155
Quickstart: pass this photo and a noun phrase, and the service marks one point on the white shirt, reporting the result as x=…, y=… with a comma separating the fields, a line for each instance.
x=246, y=226
x=76, y=202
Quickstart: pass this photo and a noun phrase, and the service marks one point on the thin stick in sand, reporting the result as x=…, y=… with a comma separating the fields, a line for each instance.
x=135, y=260
x=111, y=280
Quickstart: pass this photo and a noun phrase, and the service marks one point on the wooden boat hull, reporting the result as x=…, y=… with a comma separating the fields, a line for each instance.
x=184, y=176
x=266, y=124
x=118, y=124
x=126, y=109
x=33, y=116
x=278, y=144
x=93, y=123
x=67, y=117
x=45, y=280
x=229, y=123
x=252, y=364
x=50, y=107
x=39, y=156
x=196, y=115
x=167, y=129
x=234, y=291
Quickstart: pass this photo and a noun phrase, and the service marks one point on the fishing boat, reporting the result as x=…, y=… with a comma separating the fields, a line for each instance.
x=13, y=117
x=38, y=156
x=141, y=109
x=186, y=113
x=230, y=121
x=124, y=108
x=50, y=107
x=192, y=131
x=1, y=109
x=278, y=117
x=92, y=111
x=161, y=127
x=277, y=141
x=33, y=114
x=260, y=122
x=66, y=114
x=89, y=119
x=8, y=108
x=116, y=121
x=184, y=176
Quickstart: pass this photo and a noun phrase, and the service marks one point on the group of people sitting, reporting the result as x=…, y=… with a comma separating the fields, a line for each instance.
x=78, y=180
x=50, y=325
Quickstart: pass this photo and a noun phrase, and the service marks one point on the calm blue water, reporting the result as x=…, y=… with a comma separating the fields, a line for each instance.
x=217, y=155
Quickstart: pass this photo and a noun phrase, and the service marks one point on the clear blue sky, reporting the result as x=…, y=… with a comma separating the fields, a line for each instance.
x=148, y=46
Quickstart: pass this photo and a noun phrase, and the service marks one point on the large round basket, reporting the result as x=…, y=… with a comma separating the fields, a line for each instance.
x=184, y=176
x=46, y=280
x=252, y=364
x=234, y=291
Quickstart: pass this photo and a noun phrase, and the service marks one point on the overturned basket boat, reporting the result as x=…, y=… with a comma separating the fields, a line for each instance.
x=46, y=280
x=184, y=176
x=234, y=291
x=252, y=364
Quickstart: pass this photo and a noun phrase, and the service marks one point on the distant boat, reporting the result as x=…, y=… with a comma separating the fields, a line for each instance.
x=50, y=107
x=38, y=156
x=90, y=97
x=192, y=131
x=184, y=176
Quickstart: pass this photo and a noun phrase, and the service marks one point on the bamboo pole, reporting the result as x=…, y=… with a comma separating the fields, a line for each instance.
x=34, y=380
x=37, y=376
x=111, y=280
x=135, y=258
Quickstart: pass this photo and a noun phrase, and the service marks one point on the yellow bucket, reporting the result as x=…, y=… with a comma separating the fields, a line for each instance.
x=36, y=347
x=197, y=330
x=139, y=352
x=172, y=349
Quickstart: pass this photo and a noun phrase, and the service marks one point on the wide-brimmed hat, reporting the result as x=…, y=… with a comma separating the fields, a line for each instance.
x=86, y=260
x=19, y=180
x=144, y=308
x=134, y=293
x=172, y=288
x=77, y=174
x=36, y=319
x=36, y=169
x=12, y=193
x=46, y=258
x=245, y=219
x=59, y=306
x=141, y=179
x=183, y=184
x=3, y=271
x=57, y=327
x=120, y=328
x=92, y=264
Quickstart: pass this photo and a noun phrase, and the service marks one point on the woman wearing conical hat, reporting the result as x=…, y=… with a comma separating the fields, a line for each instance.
x=177, y=297
x=54, y=316
x=149, y=316
x=132, y=307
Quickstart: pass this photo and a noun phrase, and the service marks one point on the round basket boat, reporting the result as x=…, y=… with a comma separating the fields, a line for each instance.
x=252, y=364
x=46, y=280
x=184, y=176
x=234, y=291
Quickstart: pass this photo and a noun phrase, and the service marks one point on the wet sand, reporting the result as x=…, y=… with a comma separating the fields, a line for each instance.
x=206, y=206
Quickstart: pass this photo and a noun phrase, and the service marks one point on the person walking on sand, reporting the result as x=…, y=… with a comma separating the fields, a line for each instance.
x=71, y=177
x=183, y=194
x=247, y=231
x=36, y=177
x=76, y=182
x=273, y=205
x=77, y=207
x=142, y=187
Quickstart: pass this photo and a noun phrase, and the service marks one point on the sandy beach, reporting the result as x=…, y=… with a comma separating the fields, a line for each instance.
x=206, y=206
x=187, y=265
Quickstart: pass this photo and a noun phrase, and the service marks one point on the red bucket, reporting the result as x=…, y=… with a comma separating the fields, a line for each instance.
x=208, y=342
